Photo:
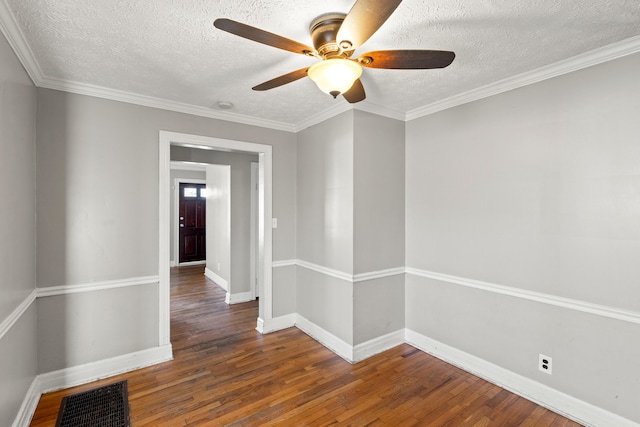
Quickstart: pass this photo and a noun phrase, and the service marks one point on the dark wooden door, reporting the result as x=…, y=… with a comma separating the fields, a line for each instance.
x=192, y=223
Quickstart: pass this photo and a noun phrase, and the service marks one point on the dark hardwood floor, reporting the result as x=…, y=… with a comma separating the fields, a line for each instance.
x=226, y=373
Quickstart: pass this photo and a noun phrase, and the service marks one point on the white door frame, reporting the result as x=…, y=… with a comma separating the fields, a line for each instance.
x=253, y=232
x=176, y=212
x=265, y=255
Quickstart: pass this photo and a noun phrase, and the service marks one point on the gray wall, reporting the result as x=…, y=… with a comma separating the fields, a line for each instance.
x=378, y=225
x=351, y=219
x=536, y=189
x=97, y=176
x=218, y=219
x=378, y=193
x=240, y=164
x=325, y=224
x=18, y=364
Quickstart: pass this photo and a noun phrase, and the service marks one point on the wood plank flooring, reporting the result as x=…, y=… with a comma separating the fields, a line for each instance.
x=226, y=373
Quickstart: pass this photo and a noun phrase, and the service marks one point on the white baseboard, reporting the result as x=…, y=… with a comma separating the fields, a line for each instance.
x=216, y=279
x=238, y=298
x=82, y=374
x=561, y=403
x=29, y=404
x=276, y=324
x=326, y=338
x=188, y=264
x=378, y=345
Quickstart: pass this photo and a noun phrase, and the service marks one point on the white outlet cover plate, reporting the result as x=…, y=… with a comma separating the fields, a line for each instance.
x=544, y=361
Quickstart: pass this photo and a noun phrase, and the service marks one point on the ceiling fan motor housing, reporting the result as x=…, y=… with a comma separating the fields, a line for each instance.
x=323, y=31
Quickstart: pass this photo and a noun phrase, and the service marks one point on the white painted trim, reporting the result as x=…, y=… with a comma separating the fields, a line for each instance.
x=578, y=62
x=18, y=42
x=176, y=214
x=29, y=404
x=372, y=275
x=188, y=264
x=50, y=291
x=326, y=338
x=325, y=270
x=153, y=102
x=253, y=231
x=265, y=156
x=378, y=345
x=188, y=166
x=17, y=313
x=561, y=403
x=164, y=240
x=586, y=307
x=380, y=110
x=284, y=263
x=218, y=280
x=322, y=116
x=277, y=323
x=105, y=368
x=238, y=298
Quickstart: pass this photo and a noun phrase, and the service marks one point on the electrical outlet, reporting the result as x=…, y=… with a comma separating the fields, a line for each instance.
x=544, y=364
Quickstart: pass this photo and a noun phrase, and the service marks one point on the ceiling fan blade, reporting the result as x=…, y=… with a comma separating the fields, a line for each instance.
x=364, y=19
x=261, y=36
x=282, y=80
x=407, y=59
x=356, y=93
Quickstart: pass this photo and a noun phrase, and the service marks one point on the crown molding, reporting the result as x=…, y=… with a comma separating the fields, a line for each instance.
x=14, y=35
x=578, y=62
x=323, y=115
x=365, y=106
x=380, y=110
x=163, y=104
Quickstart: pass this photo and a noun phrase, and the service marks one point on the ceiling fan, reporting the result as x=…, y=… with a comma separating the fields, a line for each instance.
x=335, y=37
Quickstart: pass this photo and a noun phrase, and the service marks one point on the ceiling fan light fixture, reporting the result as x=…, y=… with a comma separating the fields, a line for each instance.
x=335, y=76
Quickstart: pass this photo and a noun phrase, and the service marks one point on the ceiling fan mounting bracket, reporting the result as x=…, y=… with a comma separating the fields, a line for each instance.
x=324, y=30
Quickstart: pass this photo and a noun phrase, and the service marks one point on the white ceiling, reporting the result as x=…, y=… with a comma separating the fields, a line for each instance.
x=167, y=52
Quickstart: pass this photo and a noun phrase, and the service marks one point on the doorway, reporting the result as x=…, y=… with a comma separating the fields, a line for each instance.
x=192, y=207
x=264, y=152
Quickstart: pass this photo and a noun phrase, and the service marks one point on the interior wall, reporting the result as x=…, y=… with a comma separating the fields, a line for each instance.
x=325, y=224
x=379, y=174
x=378, y=204
x=536, y=189
x=97, y=210
x=218, y=217
x=18, y=364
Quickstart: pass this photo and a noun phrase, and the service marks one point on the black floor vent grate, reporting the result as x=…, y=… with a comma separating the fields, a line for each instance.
x=106, y=406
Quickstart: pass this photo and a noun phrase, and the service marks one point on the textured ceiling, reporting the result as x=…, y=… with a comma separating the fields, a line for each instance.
x=169, y=49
